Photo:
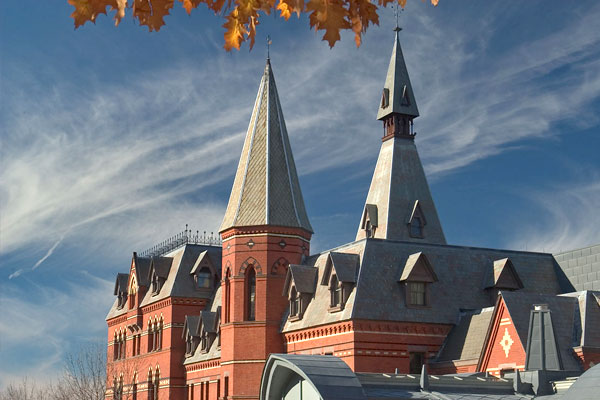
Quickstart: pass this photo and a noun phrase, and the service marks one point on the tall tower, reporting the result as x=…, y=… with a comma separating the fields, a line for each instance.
x=265, y=229
x=399, y=205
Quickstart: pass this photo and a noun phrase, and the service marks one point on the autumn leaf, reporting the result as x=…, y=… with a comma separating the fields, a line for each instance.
x=330, y=16
x=362, y=14
x=287, y=7
x=234, y=30
x=88, y=10
x=242, y=20
x=191, y=4
x=151, y=12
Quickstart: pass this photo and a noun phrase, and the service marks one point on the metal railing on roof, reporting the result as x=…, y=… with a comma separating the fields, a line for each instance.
x=181, y=239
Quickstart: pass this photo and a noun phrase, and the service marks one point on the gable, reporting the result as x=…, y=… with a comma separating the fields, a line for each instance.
x=302, y=277
x=504, y=276
x=416, y=212
x=121, y=283
x=418, y=269
x=503, y=348
x=345, y=266
x=203, y=261
x=370, y=214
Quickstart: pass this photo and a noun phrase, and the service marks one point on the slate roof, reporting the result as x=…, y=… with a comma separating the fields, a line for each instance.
x=401, y=98
x=208, y=320
x=190, y=325
x=563, y=308
x=161, y=265
x=397, y=183
x=215, y=351
x=587, y=317
x=121, y=283
x=303, y=277
x=266, y=190
x=345, y=266
x=378, y=295
x=175, y=267
x=142, y=267
x=465, y=341
x=581, y=267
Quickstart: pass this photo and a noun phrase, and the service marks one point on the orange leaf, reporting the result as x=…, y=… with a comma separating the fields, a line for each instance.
x=234, y=30
x=88, y=10
x=402, y=3
x=435, y=2
x=362, y=14
x=287, y=7
x=328, y=15
x=190, y=4
x=151, y=12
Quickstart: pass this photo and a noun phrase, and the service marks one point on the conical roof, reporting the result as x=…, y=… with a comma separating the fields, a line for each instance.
x=266, y=190
x=398, y=96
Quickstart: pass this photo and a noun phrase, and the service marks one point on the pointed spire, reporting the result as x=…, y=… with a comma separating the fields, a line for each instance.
x=398, y=96
x=266, y=190
x=399, y=205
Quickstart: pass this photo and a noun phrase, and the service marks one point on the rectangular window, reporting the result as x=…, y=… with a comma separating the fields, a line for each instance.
x=416, y=293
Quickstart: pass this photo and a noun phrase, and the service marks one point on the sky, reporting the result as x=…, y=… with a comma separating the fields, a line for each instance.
x=113, y=139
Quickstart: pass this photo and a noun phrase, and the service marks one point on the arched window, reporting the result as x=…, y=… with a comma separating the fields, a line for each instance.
x=250, y=294
x=160, y=335
x=150, y=386
x=336, y=291
x=120, y=389
x=227, y=296
x=156, y=383
x=204, y=279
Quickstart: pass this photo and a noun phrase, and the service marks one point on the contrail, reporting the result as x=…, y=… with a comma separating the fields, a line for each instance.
x=48, y=253
x=41, y=260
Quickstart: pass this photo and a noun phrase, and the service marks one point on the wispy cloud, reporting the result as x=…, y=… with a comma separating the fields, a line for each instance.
x=568, y=217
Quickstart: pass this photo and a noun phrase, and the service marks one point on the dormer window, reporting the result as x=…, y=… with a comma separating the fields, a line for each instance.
x=299, y=287
x=369, y=222
x=335, y=290
x=417, y=277
x=155, y=284
x=204, y=279
x=416, y=294
x=340, y=275
x=294, y=303
x=121, y=300
x=416, y=227
x=204, y=342
x=416, y=222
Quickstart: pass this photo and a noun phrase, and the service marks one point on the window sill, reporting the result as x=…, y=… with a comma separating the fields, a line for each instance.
x=337, y=308
x=294, y=318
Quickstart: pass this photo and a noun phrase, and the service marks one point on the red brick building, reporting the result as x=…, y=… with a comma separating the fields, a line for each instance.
x=196, y=318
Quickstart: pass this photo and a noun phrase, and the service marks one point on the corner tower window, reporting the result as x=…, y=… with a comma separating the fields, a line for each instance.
x=250, y=294
x=227, y=296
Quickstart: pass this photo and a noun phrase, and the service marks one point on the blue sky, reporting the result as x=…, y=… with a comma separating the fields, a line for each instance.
x=114, y=138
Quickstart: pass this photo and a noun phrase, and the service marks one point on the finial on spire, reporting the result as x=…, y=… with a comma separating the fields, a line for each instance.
x=397, y=15
x=269, y=41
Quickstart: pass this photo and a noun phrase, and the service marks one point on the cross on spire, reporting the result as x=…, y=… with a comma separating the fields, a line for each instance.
x=268, y=46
